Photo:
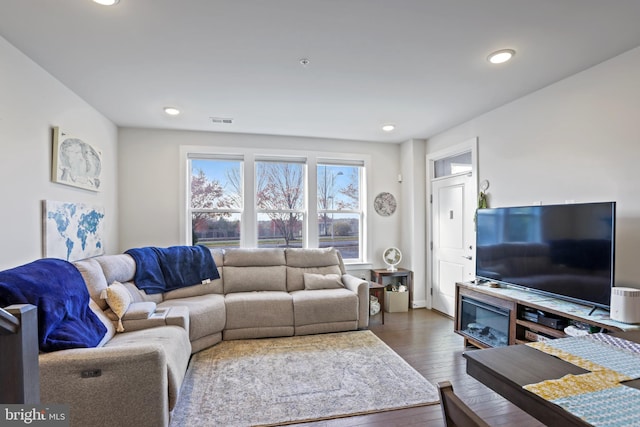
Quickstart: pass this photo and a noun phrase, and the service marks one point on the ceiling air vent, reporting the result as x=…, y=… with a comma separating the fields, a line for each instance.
x=226, y=121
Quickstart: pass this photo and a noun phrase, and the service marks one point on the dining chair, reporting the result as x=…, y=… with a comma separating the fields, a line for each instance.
x=455, y=412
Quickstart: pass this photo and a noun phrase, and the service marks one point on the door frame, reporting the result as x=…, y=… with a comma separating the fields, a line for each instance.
x=470, y=144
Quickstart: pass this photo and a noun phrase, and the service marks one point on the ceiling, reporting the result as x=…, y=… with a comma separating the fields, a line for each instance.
x=419, y=64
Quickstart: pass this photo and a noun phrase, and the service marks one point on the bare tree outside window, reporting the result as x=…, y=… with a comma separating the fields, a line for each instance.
x=280, y=202
x=215, y=203
x=339, y=215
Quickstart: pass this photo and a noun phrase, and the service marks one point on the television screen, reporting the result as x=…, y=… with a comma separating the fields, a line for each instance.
x=563, y=250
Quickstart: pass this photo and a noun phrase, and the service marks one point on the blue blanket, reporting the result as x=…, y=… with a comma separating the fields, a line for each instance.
x=165, y=269
x=57, y=288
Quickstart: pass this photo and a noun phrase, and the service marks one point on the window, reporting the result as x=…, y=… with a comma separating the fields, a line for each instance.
x=339, y=208
x=453, y=165
x=241, y=198
x=215, y=195
x=280, y=203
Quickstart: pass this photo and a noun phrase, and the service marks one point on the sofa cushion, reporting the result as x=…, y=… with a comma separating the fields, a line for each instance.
x=94, y=279
x=247, y=279
x=139, y=295
x=258, y=309
x=117, y=268
x=324, y=306
x=213, y=287
x=254, y=257
x=322, y=281
x=297, y=257
x=207, y=314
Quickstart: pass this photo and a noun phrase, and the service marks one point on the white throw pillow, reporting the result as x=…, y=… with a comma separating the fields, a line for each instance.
x=322, y=281
x=119, y=300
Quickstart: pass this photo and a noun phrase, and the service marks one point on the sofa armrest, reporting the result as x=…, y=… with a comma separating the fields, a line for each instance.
x=108, y=386
x=361, y=288
x=163, y=316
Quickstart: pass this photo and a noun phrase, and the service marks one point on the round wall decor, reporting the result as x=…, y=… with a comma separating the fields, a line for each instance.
x=385, y=204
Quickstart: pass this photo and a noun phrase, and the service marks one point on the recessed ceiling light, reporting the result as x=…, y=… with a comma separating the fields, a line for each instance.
x=388, y=127
x=107, y=2
x=172, y=111
x=501, y=56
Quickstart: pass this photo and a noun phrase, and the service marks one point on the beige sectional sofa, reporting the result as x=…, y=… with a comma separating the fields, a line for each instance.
x=134, y=377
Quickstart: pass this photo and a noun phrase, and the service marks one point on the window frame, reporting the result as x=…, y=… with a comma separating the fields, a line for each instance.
x=359, y=212
x=191, y=210
x=302, y=211
x=249, y=223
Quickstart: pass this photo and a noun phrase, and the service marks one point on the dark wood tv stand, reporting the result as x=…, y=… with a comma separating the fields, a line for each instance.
x=522, y=304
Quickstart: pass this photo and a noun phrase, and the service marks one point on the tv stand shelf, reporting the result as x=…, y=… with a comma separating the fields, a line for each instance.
x=532, y=316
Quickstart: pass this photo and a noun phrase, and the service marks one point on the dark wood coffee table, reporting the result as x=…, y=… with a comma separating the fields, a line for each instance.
x=506, y=369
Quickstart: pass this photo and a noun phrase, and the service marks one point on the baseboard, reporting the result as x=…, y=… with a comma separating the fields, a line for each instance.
x=419, y=304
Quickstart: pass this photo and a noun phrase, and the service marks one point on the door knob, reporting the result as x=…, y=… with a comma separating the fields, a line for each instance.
x=469, y=257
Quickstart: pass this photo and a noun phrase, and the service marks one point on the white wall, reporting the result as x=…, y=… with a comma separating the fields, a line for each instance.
x=31, y=103
x=413, y=216
x=149, y=191
x=576, y=140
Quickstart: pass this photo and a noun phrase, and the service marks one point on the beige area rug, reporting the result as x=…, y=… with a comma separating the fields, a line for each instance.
x=279, y=381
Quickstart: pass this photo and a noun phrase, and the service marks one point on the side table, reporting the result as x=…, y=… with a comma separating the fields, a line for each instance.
x=406, y=276
x=378, y=289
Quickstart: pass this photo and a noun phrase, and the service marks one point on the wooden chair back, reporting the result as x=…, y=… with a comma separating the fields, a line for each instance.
x=454, y=411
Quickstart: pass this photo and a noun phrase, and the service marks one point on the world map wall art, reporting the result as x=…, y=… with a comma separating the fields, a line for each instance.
x=75, y=162
x=72, y=231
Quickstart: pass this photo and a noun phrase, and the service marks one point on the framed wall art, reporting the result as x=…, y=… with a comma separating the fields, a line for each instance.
x=75, y=162
x=72, y=231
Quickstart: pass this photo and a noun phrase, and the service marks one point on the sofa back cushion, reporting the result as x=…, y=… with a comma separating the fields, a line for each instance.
x=213, y=287
x=249, y=279
x=254, y=257
x=313, y=261
x=247, y=270
x=313, y=257
x=117, y=268
x=121, y=268
x=94, y=280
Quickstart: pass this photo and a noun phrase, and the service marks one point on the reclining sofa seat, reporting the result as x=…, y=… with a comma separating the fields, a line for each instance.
x=265, y=294
x=132, y=377
x=325, y=310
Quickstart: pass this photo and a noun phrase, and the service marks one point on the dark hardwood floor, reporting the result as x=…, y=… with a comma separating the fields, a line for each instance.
x=425, y=339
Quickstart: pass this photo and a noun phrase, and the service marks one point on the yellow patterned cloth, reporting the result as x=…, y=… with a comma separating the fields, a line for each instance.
x=600, y=378
x=571, y=385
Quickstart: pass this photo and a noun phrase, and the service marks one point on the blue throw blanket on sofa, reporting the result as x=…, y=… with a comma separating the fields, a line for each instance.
x=57, y=288
x=165, y=269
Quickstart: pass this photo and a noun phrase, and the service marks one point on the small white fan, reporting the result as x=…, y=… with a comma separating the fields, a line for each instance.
x=392, y=257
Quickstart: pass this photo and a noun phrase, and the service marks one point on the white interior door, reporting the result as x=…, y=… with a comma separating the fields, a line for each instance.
x=453, y=206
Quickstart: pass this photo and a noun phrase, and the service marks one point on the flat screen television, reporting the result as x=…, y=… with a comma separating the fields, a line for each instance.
x=567, y=251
